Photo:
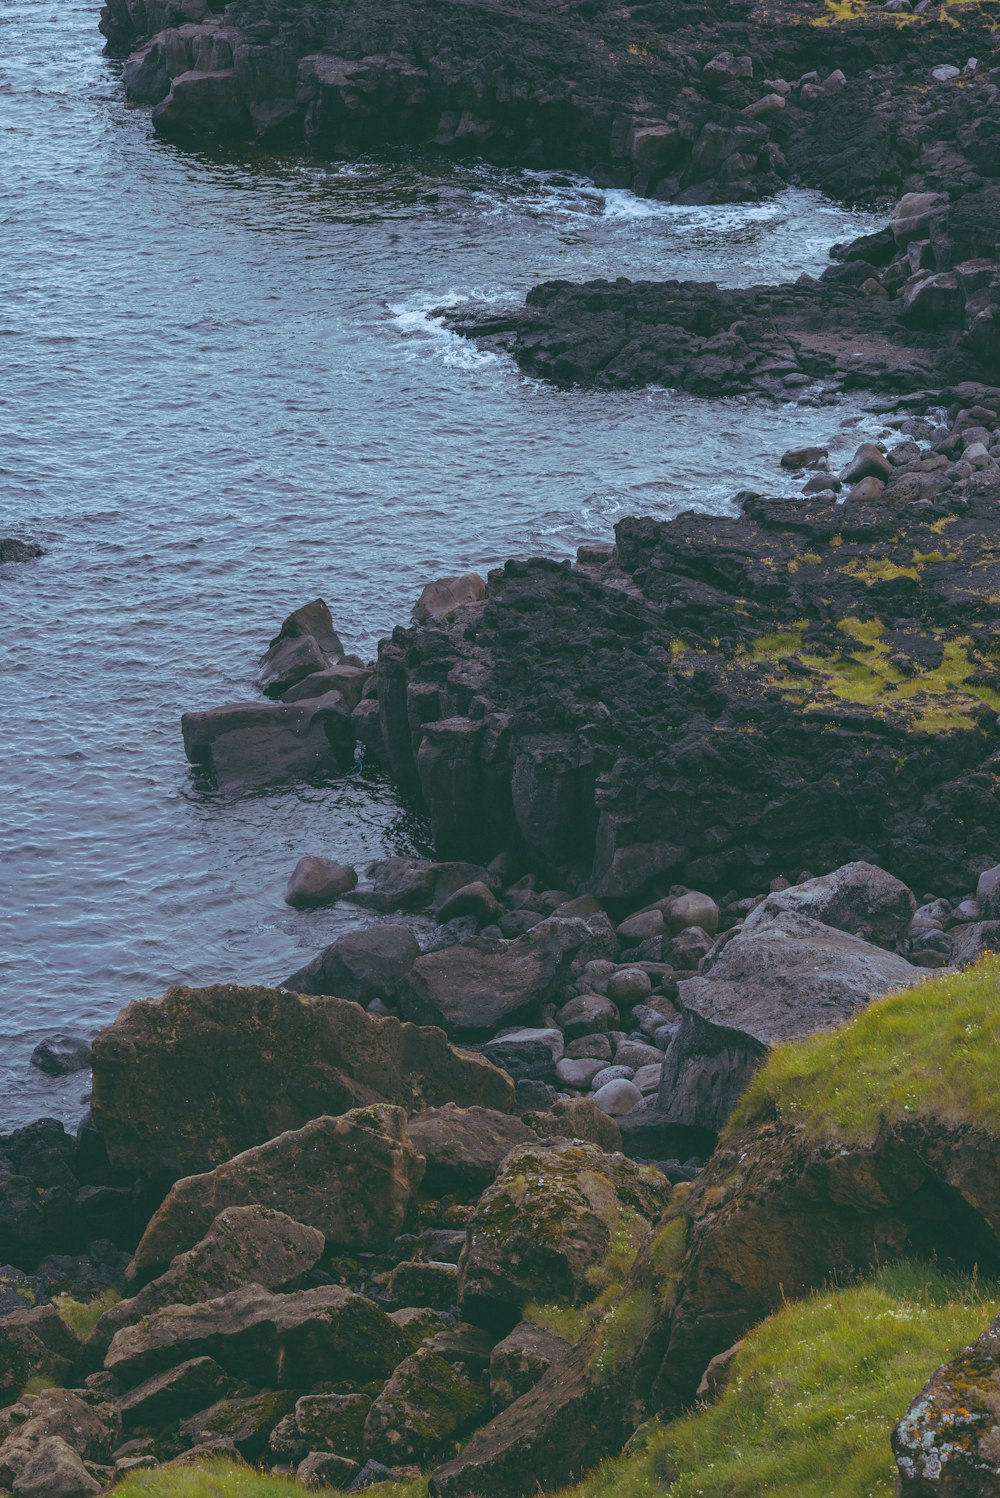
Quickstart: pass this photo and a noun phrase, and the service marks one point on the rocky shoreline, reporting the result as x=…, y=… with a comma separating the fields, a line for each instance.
x=693, y=1013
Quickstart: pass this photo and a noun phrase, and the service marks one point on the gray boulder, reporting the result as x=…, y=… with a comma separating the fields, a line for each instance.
x=859, y=898
x=441, y=599
x=268, y=742
x=361, y=965
x=318, y=881
x=529, y=1053
x=779, y=980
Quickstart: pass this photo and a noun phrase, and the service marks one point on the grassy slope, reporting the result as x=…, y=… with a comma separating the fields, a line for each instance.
x=930, y=1052
x=815, y=1391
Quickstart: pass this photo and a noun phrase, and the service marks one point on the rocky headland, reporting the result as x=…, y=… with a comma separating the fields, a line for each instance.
x=613, y=1112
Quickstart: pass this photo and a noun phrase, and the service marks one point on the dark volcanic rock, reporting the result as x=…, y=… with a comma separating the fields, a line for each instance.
x=715, y=341
x=807, y=685
x=12, y=550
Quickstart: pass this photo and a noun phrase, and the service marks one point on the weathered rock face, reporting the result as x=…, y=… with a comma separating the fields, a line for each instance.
x=306, y=643
x=784, y=690
x=286, y=1341
x=352, y=1177
x=472, y=987
x=269, y=1061
x=433, y=1397
x=777, y=1213
x=251, y=1245
x=780, y=978
x=83, y=1427
x=543, y=1229
x=947, y=1445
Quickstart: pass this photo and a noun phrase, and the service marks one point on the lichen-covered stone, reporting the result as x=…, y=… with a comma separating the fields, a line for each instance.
x=947, y=1445
x=419, y=1283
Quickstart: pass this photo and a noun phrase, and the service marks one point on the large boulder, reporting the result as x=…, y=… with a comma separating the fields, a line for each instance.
x=185, y=1082
x=859, y=898
x=82, y=1424
x=947, y=1445
x=277, y=1341
x=263, y=742
x=352, y=1177
x=362, y=965
x=782, y=977
x=441, y=598
x=470, y=988
x=544, y=1229
x=464, y=1147
x=250, y=1245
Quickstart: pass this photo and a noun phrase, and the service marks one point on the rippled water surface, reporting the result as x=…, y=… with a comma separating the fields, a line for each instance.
x=221, y=394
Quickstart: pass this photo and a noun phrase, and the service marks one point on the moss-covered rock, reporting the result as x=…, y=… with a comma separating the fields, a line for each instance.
x=435, y=1396
x=545, y=1229
x=852, y=1147
x=333, y=1422
x=246, y=1422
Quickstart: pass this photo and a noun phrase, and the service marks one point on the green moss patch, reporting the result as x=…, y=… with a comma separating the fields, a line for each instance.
x=82, y=1316
x=931, y=1053
x=813, y=1395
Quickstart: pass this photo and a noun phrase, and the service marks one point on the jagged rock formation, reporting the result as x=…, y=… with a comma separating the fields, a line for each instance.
x=719, y=699
x=664, y=99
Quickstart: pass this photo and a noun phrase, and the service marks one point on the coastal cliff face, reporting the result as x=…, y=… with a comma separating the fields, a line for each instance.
x=716, y=700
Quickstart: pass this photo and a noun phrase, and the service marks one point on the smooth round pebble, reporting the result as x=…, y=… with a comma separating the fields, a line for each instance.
x=618, y=1097
x=579, y=1072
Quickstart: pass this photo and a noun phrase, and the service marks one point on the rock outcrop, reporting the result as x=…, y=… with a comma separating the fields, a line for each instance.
x=720, y=700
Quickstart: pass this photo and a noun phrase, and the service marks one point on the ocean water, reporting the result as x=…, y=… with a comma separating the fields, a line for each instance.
x=224, y=390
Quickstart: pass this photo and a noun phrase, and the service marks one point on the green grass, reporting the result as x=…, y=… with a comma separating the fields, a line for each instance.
x=226, y=1480
x=814, y=1394
x=82, y=1316
x=931, y=1052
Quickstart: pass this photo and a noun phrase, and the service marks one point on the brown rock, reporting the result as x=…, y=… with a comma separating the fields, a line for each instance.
x=351, y=1177
x=269, y=1061
x=464, y=1147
